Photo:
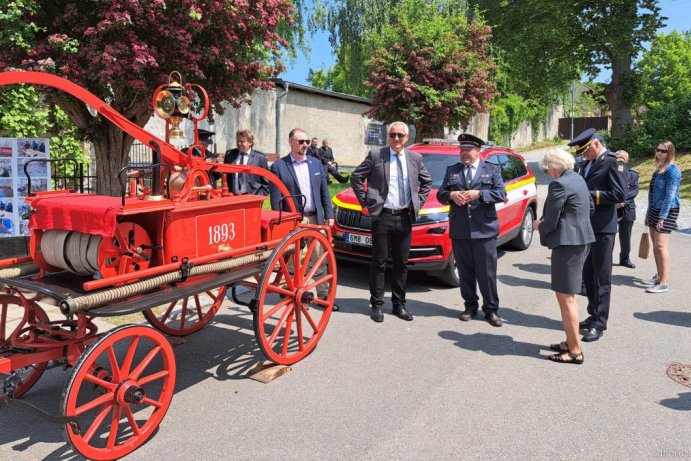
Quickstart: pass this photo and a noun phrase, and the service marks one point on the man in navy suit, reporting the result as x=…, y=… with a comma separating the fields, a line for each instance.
x=472, y=187
x=304, y=176
x=397, y=186
x=245, y=154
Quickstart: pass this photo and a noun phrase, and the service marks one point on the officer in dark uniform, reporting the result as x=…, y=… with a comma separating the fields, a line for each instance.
x=605, y=176
x=626, y=211
x=472, y=187
x=210, y=156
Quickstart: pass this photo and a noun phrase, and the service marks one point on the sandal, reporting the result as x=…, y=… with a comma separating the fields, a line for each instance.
x=560, y=347
x=567, y=357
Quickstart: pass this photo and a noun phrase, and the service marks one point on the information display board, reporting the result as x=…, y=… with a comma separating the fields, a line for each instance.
x=14, y=154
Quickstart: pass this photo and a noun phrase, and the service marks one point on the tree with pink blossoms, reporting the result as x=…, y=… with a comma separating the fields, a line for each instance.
x=431, y=70
x=121, y=50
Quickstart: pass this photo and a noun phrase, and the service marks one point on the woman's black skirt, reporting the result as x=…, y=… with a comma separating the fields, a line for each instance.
x=567, y=268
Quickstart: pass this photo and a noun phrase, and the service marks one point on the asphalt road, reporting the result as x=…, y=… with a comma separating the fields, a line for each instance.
x=434, y=388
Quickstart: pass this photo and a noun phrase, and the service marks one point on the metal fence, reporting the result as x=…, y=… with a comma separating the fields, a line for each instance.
x=63, y=176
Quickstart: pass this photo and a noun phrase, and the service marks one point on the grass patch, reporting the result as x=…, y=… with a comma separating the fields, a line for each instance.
x=539, y=145
x=646, y=167
x=335, y=188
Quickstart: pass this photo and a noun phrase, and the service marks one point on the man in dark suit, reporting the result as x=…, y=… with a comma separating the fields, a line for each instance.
x=245, y=154
x=313, y=149
x=605, y=176
x=472, y=187
x=626, y=213
x=326, y=155
x=304, y=176
x=397, y=186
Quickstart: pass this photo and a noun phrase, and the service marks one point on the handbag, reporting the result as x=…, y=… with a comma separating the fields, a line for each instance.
x=644, y=246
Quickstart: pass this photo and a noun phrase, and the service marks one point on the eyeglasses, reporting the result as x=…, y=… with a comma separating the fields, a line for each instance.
x=302, y=141
x=397, y=135
x=661, y=151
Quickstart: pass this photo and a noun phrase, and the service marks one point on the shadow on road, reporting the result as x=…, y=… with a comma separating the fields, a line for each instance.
x=492, y=344
x=535, y=268
x=522, y=282
x=680, y=319
x=516, y=317
x=682, y=402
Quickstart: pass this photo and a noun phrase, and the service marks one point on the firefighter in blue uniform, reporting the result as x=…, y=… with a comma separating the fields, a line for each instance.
x=606, y=177
x=472, y=188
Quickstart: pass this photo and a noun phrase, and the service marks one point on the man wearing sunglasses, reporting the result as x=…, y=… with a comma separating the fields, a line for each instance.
x=397, y=186
x=605, y=175
x=305, y=179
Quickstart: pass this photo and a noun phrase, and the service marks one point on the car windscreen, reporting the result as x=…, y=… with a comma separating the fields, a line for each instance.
x=436, y=164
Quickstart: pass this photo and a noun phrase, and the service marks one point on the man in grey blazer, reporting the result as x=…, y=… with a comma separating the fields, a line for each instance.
x=244, y=154
x=397, y=186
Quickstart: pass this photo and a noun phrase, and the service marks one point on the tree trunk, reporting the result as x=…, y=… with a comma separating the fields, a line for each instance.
x=112, y=152
x=112, y=145
x=616, y=95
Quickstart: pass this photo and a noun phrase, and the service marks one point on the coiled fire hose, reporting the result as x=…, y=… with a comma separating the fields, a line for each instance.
x=90, y=301
x=19, y=270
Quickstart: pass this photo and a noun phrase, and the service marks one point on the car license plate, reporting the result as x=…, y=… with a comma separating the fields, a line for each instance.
x=359, y=239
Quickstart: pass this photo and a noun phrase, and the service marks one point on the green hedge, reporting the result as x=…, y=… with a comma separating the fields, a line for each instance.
x=663, y=123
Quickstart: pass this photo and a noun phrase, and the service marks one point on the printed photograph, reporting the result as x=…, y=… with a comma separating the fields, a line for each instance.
x=6, y=187
x=32, y=147
x=34, y=169
x=6, y=147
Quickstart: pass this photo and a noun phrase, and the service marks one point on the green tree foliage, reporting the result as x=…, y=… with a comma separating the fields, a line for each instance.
x=121, y=50
x=352, y=25
x=430, y=70
x=548, y=44
x=665, y=70
x=657, y=124
x=25, y=114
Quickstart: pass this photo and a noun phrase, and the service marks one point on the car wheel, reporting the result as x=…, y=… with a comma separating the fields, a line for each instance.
x=449, y=276
x=525, y=234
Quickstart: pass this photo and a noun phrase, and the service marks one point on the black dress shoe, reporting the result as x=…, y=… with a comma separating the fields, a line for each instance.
x=493, y=319
x=335, y=308
x=377, y=315
x=402, y=313
x=468, y=314
x=584, y=325
x=592, y=335
x=627, y=263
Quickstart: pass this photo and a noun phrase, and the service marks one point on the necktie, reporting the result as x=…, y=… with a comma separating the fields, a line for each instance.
x=468, y=175
x=240, y=180
x=402, y=190
x=587, y=170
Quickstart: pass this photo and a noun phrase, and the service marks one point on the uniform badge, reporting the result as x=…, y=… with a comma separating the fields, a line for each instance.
x=620, y=168
x=455, y=176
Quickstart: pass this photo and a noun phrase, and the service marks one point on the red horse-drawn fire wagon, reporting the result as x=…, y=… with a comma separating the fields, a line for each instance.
x=171, y=247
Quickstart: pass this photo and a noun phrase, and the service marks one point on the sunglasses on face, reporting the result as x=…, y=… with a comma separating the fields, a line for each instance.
x=661, y=151
x=302, y=141
x=397, y=135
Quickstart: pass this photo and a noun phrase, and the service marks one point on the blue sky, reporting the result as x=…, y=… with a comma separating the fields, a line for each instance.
x=678, y=13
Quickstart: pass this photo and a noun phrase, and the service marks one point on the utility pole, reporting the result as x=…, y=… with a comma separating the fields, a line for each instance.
x=573, y=85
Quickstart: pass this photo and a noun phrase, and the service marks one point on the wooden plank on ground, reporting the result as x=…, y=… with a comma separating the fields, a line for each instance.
x=267, y=371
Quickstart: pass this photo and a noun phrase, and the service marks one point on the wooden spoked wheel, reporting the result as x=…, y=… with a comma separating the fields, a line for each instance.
x=187, y=315
x=120, y=390
x=10, y=308
x=300, y=272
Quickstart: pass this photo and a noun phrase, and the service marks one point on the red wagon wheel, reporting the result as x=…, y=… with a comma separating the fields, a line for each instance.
x=11, y=306
x=119, y=390
x=189, y=314
x=300, y=272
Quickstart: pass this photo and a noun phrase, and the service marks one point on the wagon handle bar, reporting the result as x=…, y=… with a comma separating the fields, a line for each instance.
x=77, y=169
x=303, y=200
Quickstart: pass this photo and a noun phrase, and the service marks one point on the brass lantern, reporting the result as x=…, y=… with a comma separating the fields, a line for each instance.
x=172, y=104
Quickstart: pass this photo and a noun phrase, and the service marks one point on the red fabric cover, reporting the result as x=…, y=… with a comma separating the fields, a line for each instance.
x=91, y=214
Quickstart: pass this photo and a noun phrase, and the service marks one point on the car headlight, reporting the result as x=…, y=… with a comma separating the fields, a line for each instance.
x=430, y=218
